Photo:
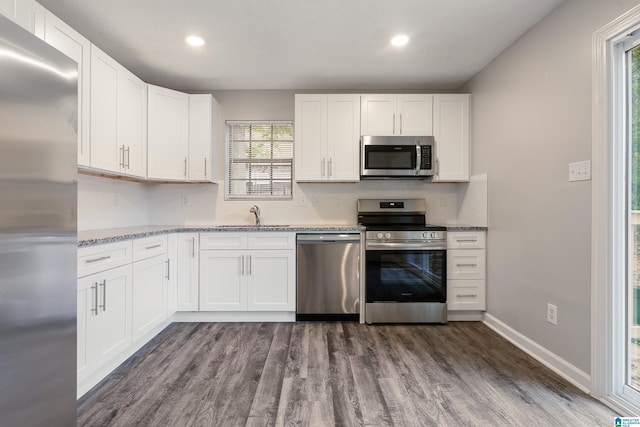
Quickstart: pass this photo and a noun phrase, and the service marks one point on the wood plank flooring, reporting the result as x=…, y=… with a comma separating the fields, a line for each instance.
x=335, y=374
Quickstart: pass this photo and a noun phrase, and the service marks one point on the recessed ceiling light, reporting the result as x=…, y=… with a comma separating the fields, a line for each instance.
x=195, y=41
x=400, y=40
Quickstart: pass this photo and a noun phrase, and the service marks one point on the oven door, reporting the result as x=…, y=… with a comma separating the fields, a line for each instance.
x=406, y=275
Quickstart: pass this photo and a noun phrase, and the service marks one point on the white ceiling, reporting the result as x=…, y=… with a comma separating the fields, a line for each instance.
x=303, y=44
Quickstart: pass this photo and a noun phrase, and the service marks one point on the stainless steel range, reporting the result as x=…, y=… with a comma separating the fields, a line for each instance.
x=405, y=263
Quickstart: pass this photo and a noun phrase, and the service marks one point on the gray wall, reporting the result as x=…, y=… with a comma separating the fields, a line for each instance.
x=532, y=117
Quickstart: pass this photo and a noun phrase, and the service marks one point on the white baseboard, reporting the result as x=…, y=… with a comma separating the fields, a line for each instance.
x=234, y=316
x=465, y=316
x=566, y=370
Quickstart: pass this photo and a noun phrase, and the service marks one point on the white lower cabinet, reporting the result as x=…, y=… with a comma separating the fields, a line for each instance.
x=466, y=271
x=104, y=317
x=187, y=270
x=247, y=272
x=150, y=279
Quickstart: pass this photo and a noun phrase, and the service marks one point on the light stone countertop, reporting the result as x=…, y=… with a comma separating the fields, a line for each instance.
x=98, y=237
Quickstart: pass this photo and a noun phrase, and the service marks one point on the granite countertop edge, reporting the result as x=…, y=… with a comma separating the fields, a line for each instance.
x=99, y=237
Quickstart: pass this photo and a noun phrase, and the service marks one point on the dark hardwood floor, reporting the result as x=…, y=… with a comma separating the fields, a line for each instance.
x=335, y=374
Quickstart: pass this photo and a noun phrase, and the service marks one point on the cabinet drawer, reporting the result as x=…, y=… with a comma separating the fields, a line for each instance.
x=466, y=240
x=148, y=247
x=466, y=295
x=272, y=240
x=223, y=240
x=466, y=264
x=93, y=259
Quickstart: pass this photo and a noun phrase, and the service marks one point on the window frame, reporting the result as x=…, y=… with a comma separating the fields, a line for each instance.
x=228, y=196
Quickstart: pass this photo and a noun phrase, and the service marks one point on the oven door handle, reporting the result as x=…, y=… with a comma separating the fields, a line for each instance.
x=382, y=246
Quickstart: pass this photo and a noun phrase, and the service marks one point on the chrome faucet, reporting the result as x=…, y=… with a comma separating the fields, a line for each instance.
x=256, y=211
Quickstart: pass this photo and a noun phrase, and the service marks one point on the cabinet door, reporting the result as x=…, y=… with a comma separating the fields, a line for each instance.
x=132, y=122
x=310, y=137
x=200, y=137
x=167, y=134
x=343, y=139
x=223, y=281
x=172, y=274
x=378, y=115
x=71, y=43
x=271, y=280
x=83, y=302
x=106, y=153
x=187, y=270
x=108, y=329
x=149, y=294
x=26, y=13
x=415, y=115
x=451, y=133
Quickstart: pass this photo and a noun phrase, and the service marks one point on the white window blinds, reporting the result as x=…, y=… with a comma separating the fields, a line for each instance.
x=259, y=160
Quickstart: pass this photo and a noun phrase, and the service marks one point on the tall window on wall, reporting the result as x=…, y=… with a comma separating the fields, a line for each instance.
x=259, y=161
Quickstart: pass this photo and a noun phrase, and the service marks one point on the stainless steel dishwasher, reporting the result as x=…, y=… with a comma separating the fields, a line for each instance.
x=328, y=276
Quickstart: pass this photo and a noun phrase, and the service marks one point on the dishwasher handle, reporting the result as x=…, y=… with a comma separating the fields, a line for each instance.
x=327, y=238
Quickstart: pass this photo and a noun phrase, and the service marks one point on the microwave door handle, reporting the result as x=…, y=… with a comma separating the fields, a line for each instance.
x=418, y=157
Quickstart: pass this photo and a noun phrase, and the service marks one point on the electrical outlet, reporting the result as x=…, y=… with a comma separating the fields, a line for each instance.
x=552, y=314
x=580, y=171
x=116, y=199
x=315, y=200
x=185, y=200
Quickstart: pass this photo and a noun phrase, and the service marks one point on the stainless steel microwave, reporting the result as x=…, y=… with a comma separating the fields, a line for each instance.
x=397, y=157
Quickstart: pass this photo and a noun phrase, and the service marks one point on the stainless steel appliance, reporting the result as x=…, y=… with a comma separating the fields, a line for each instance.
x=38, y=171
x=328, y=276
x=405, y=263
x=397, y=157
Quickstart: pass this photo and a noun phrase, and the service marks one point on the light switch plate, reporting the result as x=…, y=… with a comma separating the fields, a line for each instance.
x=580, y=171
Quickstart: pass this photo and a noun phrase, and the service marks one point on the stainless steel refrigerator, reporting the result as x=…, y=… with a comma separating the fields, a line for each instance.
x=38, y=143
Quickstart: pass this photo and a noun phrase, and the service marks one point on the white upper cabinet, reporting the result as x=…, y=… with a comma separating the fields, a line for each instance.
x=167, y=134
x=389, y=115
x=451, y=133
x=203, y=128
x=71, y=43
x=118, y=117
x=29, y=14
x=327, y=137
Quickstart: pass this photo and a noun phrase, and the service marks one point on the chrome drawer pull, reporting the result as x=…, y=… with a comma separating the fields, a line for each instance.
x=153, y=247
x=467, y=295
x=467, y=265
x=102, y=258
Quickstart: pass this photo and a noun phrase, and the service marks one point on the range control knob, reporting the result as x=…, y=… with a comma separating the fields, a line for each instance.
x=387, y=235
x=380, y=235
x=434, y=234
x=425, y=235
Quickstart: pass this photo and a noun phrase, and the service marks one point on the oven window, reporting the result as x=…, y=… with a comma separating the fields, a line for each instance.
x=406, y=276
x=390, y=157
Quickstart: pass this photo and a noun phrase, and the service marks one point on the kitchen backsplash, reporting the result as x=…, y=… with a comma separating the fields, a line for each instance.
x=107, y=203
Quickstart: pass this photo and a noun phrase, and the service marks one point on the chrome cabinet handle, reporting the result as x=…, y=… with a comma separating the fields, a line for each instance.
x=94, y=307
x=193, y=247
x=467, y=240
x=467, y=295
x=330, y=167
x=102, y=258
x=121, y=164
x=205, y=167
x=104, y=295
x=322, y=167
x=242, y=265
x=250, y=267
x=168, y=268
x=400, y=123
x=153, y=247
x=128, y=157
x=467, y=265
x=394, y=124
